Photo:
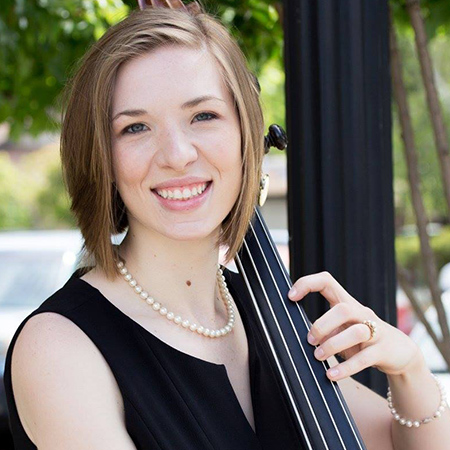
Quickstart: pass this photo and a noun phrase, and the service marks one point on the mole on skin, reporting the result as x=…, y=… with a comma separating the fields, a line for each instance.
x=188, y=283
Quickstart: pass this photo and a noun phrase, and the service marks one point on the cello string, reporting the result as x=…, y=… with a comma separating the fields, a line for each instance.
x=274, y=317
x=269, y=340
x=289, y=283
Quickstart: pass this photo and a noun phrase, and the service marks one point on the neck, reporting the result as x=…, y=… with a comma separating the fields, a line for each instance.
x=179, y=274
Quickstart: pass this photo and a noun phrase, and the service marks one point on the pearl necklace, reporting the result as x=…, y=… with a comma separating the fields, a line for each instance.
x=157, y=306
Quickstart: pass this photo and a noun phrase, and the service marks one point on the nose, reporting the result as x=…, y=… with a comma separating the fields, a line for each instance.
x=176, y=151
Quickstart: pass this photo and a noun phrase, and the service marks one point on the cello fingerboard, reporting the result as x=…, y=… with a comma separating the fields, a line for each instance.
x=321, y=414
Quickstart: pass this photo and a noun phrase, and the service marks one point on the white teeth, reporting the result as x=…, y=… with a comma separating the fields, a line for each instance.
x=185, y=195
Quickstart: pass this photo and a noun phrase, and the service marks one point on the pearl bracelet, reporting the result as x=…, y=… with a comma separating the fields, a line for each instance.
x=416, y=423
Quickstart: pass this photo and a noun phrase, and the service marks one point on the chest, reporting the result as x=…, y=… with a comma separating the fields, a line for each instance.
x=239, y=377
x=232, y=351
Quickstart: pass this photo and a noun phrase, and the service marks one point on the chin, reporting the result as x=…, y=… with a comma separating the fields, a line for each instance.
x=192, y=232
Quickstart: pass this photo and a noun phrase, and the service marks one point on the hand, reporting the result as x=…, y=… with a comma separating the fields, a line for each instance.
x=341, y=330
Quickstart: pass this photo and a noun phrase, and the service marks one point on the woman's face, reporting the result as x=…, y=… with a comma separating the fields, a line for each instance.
x=176, y=143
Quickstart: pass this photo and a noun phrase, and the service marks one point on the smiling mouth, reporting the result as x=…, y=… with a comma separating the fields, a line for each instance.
x=183, y=194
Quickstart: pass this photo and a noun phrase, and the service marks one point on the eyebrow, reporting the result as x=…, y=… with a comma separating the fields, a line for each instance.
x=189, y=104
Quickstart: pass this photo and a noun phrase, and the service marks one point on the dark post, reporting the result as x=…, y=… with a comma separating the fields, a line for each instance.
x=340, y=195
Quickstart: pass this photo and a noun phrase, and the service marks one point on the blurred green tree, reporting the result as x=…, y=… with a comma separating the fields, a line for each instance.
x=39, y=43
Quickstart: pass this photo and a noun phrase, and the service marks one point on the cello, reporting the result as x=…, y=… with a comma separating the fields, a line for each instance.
x=322, y=415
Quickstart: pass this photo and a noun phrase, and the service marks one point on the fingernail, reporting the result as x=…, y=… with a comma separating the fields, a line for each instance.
x=311, y=339
x=293, y=292
x=333, y=372
x=319, y=353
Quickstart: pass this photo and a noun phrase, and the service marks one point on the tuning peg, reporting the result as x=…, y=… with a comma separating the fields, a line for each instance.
x=276, y=137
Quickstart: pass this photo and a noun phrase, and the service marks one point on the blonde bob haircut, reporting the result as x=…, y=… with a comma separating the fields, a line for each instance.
x=86, y=149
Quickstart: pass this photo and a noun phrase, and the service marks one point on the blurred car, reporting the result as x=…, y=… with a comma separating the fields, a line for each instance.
x=33, y=265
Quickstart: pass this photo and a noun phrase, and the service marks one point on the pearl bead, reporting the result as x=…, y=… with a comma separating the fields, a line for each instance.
x=224, y=295
x=416, y=423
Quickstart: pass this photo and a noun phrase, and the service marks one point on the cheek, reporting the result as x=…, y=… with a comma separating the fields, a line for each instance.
x=129, y=167
x=230, y=155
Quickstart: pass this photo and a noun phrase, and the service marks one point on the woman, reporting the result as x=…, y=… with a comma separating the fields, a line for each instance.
x=145, y=347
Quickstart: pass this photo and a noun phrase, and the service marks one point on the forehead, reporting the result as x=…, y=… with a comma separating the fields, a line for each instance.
x=170, y=74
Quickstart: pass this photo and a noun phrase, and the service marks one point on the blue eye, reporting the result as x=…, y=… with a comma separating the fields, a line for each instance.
x=135, y=128
x=207, y=114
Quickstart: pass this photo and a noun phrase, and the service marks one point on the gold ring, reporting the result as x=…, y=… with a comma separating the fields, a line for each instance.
x=372, y=327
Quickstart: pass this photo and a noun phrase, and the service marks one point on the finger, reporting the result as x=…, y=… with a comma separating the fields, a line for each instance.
x=354, y=335
x=322, y=282
x=363, y=359
x=337, y=316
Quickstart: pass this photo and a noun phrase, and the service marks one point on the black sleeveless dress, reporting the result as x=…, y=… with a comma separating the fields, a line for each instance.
x=172, y=400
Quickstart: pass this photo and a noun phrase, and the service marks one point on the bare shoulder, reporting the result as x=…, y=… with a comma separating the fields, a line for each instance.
x=65, y=392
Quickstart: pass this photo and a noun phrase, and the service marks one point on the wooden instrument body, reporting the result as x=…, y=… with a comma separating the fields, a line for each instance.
x=321, y=413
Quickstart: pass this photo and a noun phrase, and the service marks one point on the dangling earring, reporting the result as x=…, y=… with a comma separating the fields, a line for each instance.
x=263, y=189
